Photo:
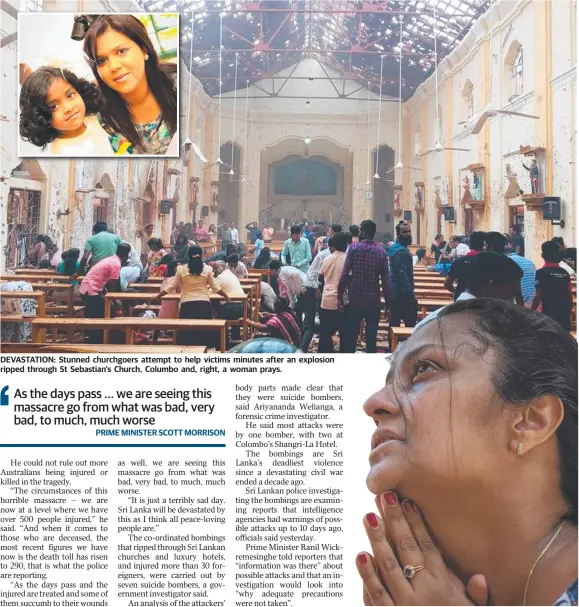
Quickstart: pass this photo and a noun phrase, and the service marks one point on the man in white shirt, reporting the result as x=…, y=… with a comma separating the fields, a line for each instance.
x=234, y=233
x=457, y=249
x=230, y=285
x=292, y=286
x=131, y=272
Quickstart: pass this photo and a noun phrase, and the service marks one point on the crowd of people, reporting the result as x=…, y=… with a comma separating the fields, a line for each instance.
x=320, y=284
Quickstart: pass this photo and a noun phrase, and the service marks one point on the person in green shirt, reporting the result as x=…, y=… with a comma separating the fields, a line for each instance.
x=296, y=250
x=99, y=246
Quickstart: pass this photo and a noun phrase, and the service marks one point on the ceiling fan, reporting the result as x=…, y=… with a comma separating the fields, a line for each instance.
x=438, y=147
x=479, y=120
x=399, y=165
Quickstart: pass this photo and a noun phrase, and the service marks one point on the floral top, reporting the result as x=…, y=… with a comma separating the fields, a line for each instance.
x=155, y=135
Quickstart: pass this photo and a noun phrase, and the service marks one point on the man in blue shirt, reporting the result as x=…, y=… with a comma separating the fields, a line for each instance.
x=298, y=249
x=529, y=271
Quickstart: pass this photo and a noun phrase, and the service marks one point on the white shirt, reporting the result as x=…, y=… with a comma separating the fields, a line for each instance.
x=464, y=295
x=234, y=235
x=294, y=281
x=134, y=259
x=462, y=249
x=314, y=269
x=93, y=142
x=268, y=296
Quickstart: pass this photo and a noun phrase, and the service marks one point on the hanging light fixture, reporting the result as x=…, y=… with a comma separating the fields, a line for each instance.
x=219, y=161
x=232, y=172
x=376, y=174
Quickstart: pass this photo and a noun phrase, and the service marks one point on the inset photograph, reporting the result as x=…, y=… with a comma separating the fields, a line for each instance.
x=98, y=85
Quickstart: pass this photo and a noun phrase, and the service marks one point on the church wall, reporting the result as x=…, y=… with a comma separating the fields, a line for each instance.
x=550, y=83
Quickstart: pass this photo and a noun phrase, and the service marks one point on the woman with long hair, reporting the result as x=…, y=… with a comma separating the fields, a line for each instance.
x=474, y=463
x=194, y=281
x=70, y=262
x=140, y=92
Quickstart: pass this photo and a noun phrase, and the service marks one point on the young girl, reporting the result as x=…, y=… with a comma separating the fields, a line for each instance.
x=156, y=254
x=58, y=109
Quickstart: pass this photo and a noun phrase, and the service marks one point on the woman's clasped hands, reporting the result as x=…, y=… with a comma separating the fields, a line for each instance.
x=405, y=567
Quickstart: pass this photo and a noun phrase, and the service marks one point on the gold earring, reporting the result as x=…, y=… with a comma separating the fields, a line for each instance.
x=519, y=448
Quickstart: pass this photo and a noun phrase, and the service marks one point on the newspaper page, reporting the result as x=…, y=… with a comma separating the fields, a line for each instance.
x=189, y=481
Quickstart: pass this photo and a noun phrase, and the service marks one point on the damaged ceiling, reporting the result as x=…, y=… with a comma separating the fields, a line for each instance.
x=348, y=36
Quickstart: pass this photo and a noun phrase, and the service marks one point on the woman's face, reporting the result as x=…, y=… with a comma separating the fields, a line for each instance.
x=439, y=421
x=67, y=106
x=120, y=62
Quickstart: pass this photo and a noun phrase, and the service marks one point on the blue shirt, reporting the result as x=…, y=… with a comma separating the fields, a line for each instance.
x=300, y=253
x=259, y=244
x=528, y=280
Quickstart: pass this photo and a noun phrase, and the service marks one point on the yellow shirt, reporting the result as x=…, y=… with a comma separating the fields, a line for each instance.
x=229, y=284
x=193, y=287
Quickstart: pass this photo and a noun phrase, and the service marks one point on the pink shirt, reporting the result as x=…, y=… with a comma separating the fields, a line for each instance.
x=99, y=275
x=201, y=234
x=331, y=270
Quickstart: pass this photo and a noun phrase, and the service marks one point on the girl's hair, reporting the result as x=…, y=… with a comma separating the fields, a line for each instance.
x=70, y=261
x=160, y=77
x=195, y=263
x=155, y=243
x=36, y=116
x=166, y=259
x=537, y=358
x=171, y=269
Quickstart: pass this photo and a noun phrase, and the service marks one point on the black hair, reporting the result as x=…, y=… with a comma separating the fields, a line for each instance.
x=496, y=242
x=558, y=240
x=44, y=265
x=195, y=263
x=369, y=228
x=420, y=253
x=295, y=230
x=438, y=237
x=263, y=257
x=155, y=243
x=160, y=77
x=515, y=228
x=349, y=237
x=171, y=268
x=70, y=260
x=124, y=250
x=336, y=228
x=36, y=115
x=231, y=248
x=339, y=241
x=456, y=238
x=275, y=265
x=491, y=267
x=280, y=305
x=168, y=258
x=233, y=258
x=99, y=226
x=477, y=240
x=354, y=230
x=550, y=252
x=520, y=338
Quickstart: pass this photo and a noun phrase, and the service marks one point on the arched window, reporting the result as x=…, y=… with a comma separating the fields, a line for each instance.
x=514, y=71
x=468, y=100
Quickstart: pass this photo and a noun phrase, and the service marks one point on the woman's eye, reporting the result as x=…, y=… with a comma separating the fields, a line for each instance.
x=53, y=107
x=421, y=367
x=70, y=95
x=122, y=51
x=100, y=61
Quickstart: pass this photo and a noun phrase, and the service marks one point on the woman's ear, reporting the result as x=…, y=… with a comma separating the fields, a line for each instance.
x=534, y=424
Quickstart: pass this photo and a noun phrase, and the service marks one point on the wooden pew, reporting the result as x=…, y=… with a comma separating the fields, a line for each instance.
x=399, y=334
x=427, y=305
x=129, y=325
x=31, y=348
